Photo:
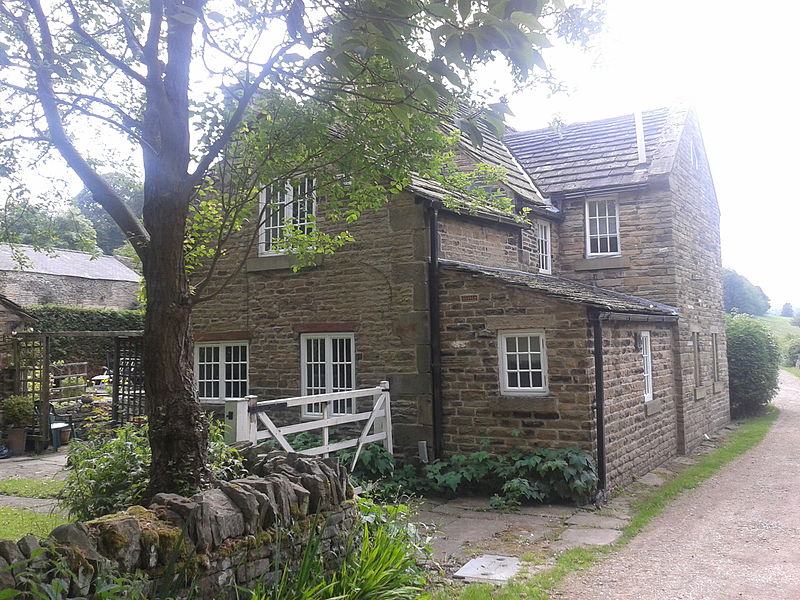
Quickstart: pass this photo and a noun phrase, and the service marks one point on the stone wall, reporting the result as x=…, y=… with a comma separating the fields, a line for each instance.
x=234, y=535
x=646, y=264
x=705, y=404
x=10, y=321
x=35, y=289
x=474, y=310
x=477, y=241
x=639, y=436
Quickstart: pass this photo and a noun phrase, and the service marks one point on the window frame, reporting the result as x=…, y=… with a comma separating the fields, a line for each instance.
x=646, y=350
x=328, y=337
x=287, y=212
x=715, y=356
x=587, y=227
x=546, y=257
x=505, y=389
x=697, y=366
x=221, y=363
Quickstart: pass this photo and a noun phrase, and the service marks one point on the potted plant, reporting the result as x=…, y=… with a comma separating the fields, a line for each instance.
x=19, y=413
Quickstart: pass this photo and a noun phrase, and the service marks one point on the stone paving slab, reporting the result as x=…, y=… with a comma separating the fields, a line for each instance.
x=489, y=568
x=39, y=505
x=574, y=537
x=464, y=531
x=48, y=465
x=651, y=479
x=587, y=519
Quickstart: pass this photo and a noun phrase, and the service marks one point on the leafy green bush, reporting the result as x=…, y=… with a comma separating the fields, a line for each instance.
x=18, y=411
x=791, y=352
x=538, y=475
x=753, y=365
x=110, y=473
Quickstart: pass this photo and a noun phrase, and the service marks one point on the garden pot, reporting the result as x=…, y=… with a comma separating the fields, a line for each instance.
x=16, y=441
x=65, y=433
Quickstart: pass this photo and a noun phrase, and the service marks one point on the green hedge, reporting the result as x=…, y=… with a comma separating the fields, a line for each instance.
x=753, y=365
x=75, y=349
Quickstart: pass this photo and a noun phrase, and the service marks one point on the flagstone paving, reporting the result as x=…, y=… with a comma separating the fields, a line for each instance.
x=48, y=465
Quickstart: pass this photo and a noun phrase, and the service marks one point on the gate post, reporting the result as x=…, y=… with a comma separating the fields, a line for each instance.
x=388, y=443
x=237, y=420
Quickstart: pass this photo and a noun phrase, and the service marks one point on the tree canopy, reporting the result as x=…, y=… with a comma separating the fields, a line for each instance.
x=787, y=310
x=109, y=235
x=226, y=98
x=742, y=296
x=45, y=226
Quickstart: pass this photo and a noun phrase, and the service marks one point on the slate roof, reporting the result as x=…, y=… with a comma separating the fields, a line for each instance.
x=599, y=154
x=493, y=151
x=16, y=308
x=68, y=263
x=569, y=291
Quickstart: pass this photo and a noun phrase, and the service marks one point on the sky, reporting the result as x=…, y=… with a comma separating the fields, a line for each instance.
x=734, y=62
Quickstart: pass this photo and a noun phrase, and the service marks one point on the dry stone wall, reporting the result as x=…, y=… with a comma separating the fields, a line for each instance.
x=233, y=535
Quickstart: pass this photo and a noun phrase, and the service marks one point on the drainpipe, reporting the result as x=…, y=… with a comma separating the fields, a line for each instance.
x=599, y=401
x=436, y=336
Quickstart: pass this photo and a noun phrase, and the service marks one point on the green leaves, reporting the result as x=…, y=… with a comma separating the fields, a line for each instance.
x=537, y=475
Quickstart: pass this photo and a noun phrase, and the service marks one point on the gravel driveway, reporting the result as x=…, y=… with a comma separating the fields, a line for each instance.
x=735, y=536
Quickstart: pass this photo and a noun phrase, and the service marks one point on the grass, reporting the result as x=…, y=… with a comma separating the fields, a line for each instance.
x=18, y=522
x=794, y=371
x=31, y=488
x=645, y=509
x=781, y=326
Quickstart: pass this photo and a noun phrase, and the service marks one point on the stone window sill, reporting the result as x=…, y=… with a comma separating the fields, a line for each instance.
x=717, y=387
x=652, y=407
x=529, y=402
x=602, y=262
x=270, y=263
x=699, y=393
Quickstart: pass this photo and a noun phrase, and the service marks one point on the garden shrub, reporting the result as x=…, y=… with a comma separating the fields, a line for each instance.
x=538, y=475
x=753, y=365
x=108, y=474
x=791, y=352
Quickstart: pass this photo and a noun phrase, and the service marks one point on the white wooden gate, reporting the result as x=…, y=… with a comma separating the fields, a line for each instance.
x=243, y=416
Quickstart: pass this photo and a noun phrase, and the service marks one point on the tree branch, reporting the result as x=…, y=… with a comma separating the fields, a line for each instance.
x=102, y=192
x=95, y=45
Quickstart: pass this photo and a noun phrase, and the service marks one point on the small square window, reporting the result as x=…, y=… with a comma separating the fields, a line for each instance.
x=602, y=227
x=523, y=362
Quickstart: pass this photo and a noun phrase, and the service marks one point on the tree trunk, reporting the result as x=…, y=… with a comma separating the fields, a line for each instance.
x=178, y=427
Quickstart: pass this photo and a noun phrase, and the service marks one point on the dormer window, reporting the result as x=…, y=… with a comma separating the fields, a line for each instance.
x=290, y=205
x=602, y=227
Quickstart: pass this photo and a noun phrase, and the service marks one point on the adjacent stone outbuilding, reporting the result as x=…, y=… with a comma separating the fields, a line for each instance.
x=66, y=278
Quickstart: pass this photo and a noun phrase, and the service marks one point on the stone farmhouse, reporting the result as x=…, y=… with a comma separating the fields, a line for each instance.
x=67, y=278
x=597, y=322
